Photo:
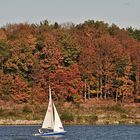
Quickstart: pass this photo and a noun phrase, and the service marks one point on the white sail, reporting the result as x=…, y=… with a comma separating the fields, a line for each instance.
x=48, y=122
x=57, y=123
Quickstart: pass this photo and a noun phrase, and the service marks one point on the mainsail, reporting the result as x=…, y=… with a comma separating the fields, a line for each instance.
x=48, y=122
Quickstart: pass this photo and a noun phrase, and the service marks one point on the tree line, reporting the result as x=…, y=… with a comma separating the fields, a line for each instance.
x=32, y=56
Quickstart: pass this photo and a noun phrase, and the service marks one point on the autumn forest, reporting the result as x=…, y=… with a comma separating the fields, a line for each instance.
x=93, y=57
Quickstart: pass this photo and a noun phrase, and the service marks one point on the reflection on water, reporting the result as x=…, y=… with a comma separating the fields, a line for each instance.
x=53, y=138
x=56, y=138
x=50, y=138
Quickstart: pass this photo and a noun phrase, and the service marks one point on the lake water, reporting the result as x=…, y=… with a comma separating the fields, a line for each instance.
x=109, y=132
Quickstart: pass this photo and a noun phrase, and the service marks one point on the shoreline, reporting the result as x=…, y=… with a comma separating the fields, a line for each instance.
x=5, y=122
x=89, y=113
x=20, y=122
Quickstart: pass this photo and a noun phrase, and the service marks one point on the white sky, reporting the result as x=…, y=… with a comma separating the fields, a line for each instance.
x=123, y=13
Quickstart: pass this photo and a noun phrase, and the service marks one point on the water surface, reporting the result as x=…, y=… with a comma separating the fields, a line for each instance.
x=105, y=132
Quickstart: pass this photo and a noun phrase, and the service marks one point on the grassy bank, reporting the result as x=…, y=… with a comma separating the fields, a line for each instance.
x=85, y=113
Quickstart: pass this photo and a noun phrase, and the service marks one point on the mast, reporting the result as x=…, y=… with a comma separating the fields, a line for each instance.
x=85, y=92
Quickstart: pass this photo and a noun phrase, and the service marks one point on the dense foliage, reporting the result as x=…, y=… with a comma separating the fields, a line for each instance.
x=32, y=56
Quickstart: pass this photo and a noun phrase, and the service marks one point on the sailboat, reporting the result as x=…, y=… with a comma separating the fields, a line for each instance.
x=52, y=125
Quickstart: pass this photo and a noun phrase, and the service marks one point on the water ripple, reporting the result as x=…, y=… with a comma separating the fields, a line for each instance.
x=120, y=132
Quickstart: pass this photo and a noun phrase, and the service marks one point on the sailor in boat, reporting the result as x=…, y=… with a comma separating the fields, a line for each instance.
x=47, y=131
x=40, y=131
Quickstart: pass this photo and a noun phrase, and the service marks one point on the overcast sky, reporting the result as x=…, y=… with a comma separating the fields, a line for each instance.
x=124, y=13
